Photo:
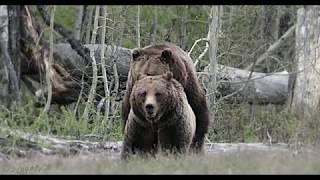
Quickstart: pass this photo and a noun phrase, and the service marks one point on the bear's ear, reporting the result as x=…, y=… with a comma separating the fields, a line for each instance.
x=141, y=76
x=136, y=53
x=166, y=55
x=167, y=76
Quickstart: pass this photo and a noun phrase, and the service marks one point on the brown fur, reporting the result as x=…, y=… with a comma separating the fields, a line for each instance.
x=170, y=124
x=158, y=59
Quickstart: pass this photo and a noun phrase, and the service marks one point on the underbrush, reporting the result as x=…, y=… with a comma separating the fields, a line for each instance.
x=232, y=123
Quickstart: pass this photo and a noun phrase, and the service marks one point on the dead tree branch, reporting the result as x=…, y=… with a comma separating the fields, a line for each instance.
x=273, y=47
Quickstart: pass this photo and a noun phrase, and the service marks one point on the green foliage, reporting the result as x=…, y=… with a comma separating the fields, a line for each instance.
x=67, y=16
x=60, y=122
x=253, y=123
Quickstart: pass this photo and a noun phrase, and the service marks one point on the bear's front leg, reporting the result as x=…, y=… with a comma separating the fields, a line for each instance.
x=175, y=140
x=138, y=141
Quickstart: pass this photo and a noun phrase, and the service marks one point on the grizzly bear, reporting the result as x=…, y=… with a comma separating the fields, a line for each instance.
x=160, y=118
x=158, y=59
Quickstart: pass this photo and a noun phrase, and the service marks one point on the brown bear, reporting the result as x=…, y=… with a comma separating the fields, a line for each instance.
x=160, y=118
x=158, y=59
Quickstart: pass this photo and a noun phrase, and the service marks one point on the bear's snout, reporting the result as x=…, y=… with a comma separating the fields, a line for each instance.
x=150, y=109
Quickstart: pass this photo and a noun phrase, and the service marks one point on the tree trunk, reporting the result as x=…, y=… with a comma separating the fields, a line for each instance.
x=94, y=67
x=306, y=97
x=89, y=25
x=84, y=23
x=230, y=19
x=4, y=75
x=79, y=23
x=14, y=13
x=103, y=64
x=123, y=12
x=49, y=63
x=213, y=48
x=99, y=30
x=13, y=88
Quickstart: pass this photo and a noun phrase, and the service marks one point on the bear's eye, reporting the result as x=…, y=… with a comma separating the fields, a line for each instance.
x=144, y=93
x=158, y=94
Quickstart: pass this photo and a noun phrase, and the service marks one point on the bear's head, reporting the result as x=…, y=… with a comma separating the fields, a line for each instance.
x=151, y=63
x=152, y=96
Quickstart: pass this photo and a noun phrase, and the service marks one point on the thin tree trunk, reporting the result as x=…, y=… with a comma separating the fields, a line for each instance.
x=138, y=27
x=94, y=67
x=277, y=23
x=79, y=23
x=14, y=16
x=103, y=63
x=99, y=30
x=4, y=75
x=84, y=23
x=49, y=64
x=115, y=72
x=231, y=14
x=88, y=29
x=12, y=80
x=122, y=24
x=213, y=47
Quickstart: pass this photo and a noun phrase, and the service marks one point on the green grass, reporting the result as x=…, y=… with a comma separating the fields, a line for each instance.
x=61, y=122
x=252, y=123
x=235, y=163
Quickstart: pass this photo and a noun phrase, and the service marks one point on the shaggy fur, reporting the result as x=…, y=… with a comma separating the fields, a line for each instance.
x=159, y=59
x=169, y=125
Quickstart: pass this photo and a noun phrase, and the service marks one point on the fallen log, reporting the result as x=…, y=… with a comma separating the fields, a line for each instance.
x=29, y=143
x=45, y=145
x=262, y=88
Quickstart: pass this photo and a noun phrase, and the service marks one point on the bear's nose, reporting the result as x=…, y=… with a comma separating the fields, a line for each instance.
x=149, y=108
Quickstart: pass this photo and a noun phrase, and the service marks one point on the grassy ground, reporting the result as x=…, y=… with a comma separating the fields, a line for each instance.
x=233, y=123
x=235, y=163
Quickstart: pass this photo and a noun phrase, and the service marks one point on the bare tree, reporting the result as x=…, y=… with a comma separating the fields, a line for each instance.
x=49, y=63
x=273, y=47
x=103, y=63
x=306, y=96
x=88, y=27
x=10, y=79
x=14, y=25
x=214, y=27
x=123, y=12
x=94, y=67
x=79, y=23
x=4, y=75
